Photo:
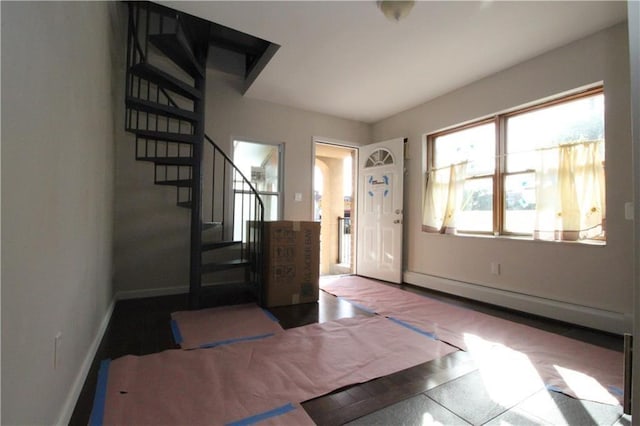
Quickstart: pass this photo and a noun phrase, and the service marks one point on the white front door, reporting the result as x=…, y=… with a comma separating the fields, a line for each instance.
x=380, y=195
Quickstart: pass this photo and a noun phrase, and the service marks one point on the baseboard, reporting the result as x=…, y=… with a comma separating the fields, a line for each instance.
x=152, y=292
x=74, y=394
x=612, y=322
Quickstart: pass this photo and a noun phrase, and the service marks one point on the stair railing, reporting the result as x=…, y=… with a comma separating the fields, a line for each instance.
x=226, y=182
x=236, y=207
x=140, y=27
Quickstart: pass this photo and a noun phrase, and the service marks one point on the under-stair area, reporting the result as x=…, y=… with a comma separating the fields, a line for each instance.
x=167, y=56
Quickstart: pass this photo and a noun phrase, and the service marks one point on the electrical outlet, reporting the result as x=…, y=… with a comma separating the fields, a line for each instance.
x=495, y=268
x=57, y=343
x=297, y=196
x=628, y=211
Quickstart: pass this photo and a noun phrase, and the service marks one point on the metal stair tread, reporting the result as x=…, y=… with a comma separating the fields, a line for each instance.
x=165, y=80
x=176, y=49
x=160, y=109
x=218, y=244
x=168, y=161
x=238, y=283
x=228, y=293
x=182, y=183
x=211, y=225
x=221, y=266
x=164, y=136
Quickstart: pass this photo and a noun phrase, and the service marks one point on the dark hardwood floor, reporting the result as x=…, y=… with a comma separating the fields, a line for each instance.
x=142, y=326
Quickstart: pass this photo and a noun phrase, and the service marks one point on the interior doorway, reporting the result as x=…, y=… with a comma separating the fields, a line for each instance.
x=334, y=190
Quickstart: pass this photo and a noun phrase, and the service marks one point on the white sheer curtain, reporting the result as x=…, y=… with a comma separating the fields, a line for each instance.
x=570, y=192
x=443, y=198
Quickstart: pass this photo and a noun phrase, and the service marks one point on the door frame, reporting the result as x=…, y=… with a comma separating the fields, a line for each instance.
x=354, y=200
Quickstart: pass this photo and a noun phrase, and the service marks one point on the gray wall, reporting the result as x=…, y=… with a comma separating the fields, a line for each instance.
x=57, y=199
x=634, y=55
x=589, y=276
x=152, y=234
x=233, y=116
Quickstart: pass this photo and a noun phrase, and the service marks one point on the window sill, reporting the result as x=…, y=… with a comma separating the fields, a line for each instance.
x=592, y=242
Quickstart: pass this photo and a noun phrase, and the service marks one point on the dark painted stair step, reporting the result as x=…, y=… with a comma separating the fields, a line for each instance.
x=211, y=225
x=164, y=136
x=176, y=47
x=223, y=266
x=218, y=244
x=160, y=109
x=227, y=284
x=166, y=80
x=169, y=161
x=227, y=293
x=181, y=183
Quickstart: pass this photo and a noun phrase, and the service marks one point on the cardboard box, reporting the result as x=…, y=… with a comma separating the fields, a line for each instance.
x=291, y=263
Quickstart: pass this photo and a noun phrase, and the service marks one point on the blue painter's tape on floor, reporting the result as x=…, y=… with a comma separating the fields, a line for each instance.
x=359, y=306
x=616, y=390
x=270, y=315
x=175, y=329
x=263, y=416
x=97, y=412
x=553, y=388
x=238, y=339
x=414, y=328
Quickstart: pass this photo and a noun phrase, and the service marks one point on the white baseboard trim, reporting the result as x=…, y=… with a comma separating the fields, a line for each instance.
x=69, y=405
x=151, y=292
x=613, y=322
x=81, y=377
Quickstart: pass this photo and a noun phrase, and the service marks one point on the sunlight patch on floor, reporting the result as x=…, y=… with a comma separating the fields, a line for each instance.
x=585, y=386
x=508, y=375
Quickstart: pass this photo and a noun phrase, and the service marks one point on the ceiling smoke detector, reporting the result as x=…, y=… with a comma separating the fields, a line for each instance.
x=395, y=10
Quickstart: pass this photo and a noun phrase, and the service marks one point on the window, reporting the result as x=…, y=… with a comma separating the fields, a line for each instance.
x=380, y=157
x=261, y=164
x=535, y=172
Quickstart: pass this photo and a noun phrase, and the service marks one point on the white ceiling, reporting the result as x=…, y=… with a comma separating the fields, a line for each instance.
x=346, y=59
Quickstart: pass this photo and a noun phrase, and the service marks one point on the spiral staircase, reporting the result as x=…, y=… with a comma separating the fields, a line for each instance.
x=165, y=110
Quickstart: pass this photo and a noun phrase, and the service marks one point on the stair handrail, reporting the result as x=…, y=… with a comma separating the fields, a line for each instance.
x=246, y=181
